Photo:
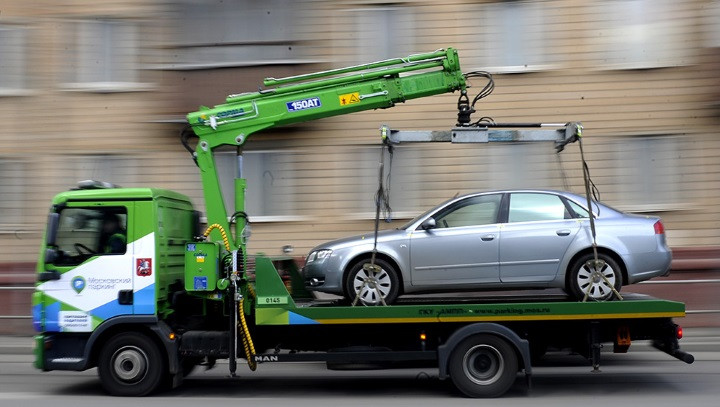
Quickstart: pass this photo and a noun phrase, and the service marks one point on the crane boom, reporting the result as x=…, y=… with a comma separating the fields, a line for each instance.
x=335, y=92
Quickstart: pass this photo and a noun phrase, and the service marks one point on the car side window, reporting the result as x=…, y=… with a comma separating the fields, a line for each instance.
x=474, y=211
x=530, y=207
x=576, y=210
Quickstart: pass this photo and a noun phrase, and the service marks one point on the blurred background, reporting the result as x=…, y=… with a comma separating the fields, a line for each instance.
x=99, y=90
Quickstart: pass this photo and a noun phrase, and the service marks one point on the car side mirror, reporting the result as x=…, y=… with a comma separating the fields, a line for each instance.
x=428, y=223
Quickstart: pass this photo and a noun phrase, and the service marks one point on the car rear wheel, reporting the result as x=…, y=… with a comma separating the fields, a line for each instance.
x=372, y=286
x=584, y=279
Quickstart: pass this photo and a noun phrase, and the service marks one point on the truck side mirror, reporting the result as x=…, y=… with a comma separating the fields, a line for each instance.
x=428, y=223
x=52, y=228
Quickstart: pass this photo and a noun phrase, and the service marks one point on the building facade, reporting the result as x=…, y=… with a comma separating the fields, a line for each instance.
x=98, y=90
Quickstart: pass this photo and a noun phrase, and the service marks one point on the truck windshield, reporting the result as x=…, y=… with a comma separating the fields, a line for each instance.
x=86, y=232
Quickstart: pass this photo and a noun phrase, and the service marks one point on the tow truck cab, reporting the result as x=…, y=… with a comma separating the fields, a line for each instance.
x=110, y=256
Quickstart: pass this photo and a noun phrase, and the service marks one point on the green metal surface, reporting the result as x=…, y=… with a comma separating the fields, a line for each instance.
x=201, y=266
x=275, y=307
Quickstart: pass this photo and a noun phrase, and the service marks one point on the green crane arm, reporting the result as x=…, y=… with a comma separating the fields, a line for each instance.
x=302, y=98
x=329, y=93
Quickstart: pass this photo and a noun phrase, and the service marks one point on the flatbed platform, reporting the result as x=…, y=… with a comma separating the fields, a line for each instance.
x=275, y=306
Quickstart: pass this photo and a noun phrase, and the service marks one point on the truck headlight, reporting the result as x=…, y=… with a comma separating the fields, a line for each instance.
x=318, y=255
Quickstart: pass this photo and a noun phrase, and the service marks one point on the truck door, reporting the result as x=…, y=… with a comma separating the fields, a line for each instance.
x=462, y=249
x=94, y=263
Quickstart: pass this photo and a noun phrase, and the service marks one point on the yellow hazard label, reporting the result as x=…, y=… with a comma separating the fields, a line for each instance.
x=200, y=259
x=349, y=98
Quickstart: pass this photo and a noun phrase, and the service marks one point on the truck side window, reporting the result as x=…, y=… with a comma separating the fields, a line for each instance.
x=86, y=232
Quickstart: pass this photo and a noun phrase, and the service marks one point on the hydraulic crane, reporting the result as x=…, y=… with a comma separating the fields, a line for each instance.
x=330, y=93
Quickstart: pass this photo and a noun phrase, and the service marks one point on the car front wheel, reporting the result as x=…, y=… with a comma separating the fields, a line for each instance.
x=370, y=286
x=584, y=279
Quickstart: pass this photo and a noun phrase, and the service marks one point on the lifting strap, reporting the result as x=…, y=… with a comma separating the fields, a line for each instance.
x=382, y=203
x=596, y=265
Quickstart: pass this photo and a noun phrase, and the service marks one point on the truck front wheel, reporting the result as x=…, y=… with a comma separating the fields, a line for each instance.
x=483, y=366
x=130, y=364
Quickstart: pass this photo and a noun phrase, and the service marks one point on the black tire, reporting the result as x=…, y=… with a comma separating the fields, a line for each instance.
x=388, y=281
x=130, y=364
x=483, y=366
x=580, y=279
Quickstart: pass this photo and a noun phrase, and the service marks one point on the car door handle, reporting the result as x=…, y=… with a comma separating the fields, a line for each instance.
x=487, y=238
x=563, y=232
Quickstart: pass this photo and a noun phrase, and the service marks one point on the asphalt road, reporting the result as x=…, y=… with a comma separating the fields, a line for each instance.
x=643, y=377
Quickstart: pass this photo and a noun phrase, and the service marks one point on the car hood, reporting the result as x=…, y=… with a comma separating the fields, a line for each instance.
x=366, y=238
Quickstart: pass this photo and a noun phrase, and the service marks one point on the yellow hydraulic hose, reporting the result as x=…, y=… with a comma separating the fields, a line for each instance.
x=248, y=344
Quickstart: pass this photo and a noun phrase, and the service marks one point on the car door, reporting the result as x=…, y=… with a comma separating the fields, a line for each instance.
x=537, y=234
x=462, y=248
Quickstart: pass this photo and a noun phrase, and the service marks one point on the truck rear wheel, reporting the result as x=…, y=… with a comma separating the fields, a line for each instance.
x=483, y=366
x=130, y=364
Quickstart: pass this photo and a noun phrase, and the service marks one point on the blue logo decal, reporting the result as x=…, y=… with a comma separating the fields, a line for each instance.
x=191, y=247
x=200, y=283
x=303, y=104
x=78, y=284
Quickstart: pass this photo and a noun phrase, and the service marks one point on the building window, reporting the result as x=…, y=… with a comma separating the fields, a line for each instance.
x=647, y=174
x=12, y=191
x=217, y=33
x=115, y=169
x=520, y=165
x=382, y=32
x=104, y=55
x=511, y=36
x=12, y=59
x=402, y=177
x=270, y=193
x=639, y=34
x=712, y=22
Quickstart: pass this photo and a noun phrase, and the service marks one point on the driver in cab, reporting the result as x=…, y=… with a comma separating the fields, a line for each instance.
x=113, y=239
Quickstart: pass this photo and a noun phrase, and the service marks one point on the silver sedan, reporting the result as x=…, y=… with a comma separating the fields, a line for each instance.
x=520, y=239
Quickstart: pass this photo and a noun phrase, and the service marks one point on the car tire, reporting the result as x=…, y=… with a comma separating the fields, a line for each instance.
x=389, y=283
x=130, y=364
x=483, y=366
x=581, y=279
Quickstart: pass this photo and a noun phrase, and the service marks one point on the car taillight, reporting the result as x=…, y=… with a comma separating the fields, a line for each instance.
x=659, y=228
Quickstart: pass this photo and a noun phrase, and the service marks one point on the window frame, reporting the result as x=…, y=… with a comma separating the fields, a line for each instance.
x=23, y=89
x=227, y=174
x=113, y=208
x=462, y=203
x=563, y=200
x=73, y=80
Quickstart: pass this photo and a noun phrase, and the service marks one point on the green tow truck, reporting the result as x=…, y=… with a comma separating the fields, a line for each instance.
x=128, y=282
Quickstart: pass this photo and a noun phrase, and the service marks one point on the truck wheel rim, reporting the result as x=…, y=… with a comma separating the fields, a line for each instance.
x=130, y=364
x=368, y=292
x=589, y=279
x=483, y=364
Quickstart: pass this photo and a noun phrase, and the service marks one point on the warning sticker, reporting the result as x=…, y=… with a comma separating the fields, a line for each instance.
x=349, y=98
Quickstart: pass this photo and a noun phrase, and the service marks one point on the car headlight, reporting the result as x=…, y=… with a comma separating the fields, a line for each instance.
x=318, y=255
